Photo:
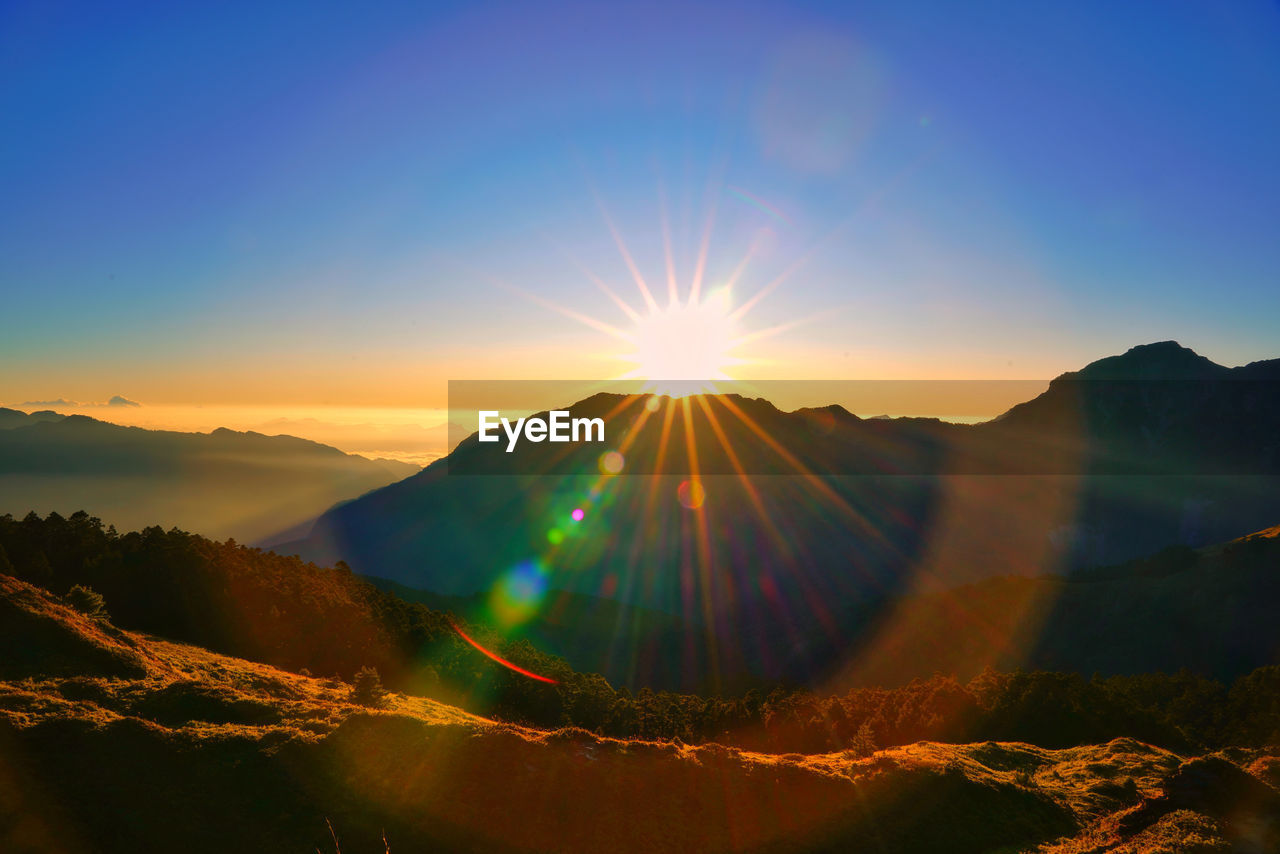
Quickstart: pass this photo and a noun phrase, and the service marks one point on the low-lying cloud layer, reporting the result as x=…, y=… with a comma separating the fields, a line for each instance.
x=115, y=402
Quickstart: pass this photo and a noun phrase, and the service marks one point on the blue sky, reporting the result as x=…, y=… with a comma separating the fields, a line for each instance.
x=320, y=203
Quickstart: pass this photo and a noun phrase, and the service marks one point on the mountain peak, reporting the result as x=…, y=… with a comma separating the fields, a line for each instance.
x=1162, y=360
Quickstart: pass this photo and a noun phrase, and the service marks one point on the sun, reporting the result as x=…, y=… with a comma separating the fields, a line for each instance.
x=684, y=348
x=689, y=346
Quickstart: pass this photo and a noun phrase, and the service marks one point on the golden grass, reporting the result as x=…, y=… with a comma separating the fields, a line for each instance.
x=438, y=772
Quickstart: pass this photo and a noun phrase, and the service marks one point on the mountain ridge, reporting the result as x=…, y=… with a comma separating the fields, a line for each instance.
x=229, y=483
x=783, y=557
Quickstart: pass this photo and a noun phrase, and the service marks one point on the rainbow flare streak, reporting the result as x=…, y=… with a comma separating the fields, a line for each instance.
x=758, y=203
x=499, y=659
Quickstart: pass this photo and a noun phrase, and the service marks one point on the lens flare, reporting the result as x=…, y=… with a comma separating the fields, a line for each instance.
x=611, y=462
x=682, y=349
x=517, y=595
x=691, y=494
x=759, y=204
x=499, y=659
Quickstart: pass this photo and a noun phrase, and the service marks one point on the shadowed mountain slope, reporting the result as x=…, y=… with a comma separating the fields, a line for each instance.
x=1210, y=611
x=1161, y=613
x=1133, y=453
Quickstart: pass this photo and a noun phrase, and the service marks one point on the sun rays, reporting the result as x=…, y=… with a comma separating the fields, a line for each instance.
x=682, y=347
x=685, y=347
x=692, y=339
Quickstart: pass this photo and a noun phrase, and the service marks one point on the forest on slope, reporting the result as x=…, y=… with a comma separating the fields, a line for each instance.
x=291, y=614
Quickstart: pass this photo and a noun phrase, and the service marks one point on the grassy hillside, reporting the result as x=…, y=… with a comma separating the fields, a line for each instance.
x=117, y=741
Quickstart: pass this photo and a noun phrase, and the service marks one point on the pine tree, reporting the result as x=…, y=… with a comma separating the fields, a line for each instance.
x=87, y=601
x=367, y=690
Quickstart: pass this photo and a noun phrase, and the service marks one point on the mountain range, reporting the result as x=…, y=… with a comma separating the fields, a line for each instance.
x=1131, y=454
x=227, y=483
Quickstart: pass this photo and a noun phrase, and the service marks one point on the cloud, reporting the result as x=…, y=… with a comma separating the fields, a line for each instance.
x=60, y=403
x=115, y=402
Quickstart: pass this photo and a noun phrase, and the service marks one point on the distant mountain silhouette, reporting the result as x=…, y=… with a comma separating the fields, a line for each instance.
x=226, y=483
x=1167, y=406
x=1157, y=409
x=1133, y=453
x=15, y=418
